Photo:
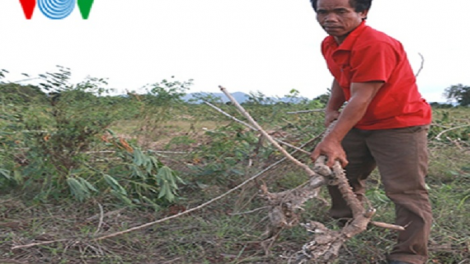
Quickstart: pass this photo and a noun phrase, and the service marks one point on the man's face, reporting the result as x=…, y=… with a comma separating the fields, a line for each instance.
x=338, y=17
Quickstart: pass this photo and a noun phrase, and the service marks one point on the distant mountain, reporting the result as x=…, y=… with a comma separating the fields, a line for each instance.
x=239, y=96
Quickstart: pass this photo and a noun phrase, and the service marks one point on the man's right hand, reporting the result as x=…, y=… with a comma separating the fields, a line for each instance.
x=332, y=149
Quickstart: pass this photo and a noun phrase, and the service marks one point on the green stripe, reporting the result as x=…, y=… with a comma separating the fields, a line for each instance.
x=85, y=7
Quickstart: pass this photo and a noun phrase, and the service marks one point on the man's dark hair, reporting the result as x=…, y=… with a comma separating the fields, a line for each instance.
x=358, y=5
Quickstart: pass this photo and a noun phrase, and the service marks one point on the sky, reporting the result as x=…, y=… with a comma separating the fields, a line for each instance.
x=270, y=46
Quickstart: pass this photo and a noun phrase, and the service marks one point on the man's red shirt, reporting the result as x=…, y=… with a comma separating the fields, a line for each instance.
x=370, y=55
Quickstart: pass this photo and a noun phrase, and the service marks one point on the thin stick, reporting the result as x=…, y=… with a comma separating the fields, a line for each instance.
x=37, y=244
x=456, y=143
x=438, y=137
x=253, y=128
x=307, y=169
x=12, y=261
x=101, y=220
x=252, y=211
x=163, y=219
x=192, y=209
x=91, y=218
x=422, y=64
x=229, y=116
x=387, y=226
x=306, y=111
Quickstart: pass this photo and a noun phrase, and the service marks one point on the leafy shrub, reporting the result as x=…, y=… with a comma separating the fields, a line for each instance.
x=48, y=149
x=162, y=102
x=225, y=158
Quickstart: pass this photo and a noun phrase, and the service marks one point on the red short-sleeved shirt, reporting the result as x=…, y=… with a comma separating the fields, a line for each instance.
x=370, y=55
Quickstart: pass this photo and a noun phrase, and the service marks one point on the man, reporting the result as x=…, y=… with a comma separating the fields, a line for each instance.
x=383, y=124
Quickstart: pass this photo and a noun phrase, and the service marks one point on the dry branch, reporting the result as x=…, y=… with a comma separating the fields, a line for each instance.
x=438, y=137
x=388, y=226
x=101, y=220
x=266, y=135
x=160, y=220
x=421, y=66
x=285, y=206
x=229, y=116
x=37, y=244
x=326, y=243
x=187, y=211
x=306, y=111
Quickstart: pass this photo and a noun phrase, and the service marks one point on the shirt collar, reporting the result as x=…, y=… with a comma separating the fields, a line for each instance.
x=350, y=39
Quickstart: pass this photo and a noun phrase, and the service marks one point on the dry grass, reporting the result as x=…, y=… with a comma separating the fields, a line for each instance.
x=228, y=231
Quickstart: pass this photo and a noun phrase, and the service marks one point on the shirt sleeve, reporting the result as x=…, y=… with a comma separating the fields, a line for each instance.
x=327, y=52
x=373, y=62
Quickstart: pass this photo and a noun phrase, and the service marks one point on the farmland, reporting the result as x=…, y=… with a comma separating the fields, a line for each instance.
x=78, y=165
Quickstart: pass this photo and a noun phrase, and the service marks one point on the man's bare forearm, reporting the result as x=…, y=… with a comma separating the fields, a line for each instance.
x=351, y=114
x=336, y=99
x=361, y=96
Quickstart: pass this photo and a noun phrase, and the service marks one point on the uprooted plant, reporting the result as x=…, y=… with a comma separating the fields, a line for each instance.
x=286, y=206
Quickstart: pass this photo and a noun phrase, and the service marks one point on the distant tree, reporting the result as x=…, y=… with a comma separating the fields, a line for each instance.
x=2, y=74
x=459, y=93
x=17, y=93
x=293, y=97
x=167, y=92
x=440, y=105
x=258, y=98
x=198, y=98
x=323, y=98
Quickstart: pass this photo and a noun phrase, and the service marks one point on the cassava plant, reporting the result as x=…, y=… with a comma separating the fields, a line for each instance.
x=226, y=157
x=160, y=104
x=139, y=177
x=58, y=146
x=68, y=126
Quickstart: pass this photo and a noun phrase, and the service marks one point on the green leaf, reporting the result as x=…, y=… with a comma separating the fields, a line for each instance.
x=79, y=191
x=163, y=191
x=5, y=173
x=166, y=179
x=18, y=177
x=149, y=166
x=156, y=163
x=122, y=197
x=461, y=203
x=138, y=160
x=155, y=206
x=115, y=184
x=88, y=185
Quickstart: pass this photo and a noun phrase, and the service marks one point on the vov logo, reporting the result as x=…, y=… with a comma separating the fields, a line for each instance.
x=56, y=9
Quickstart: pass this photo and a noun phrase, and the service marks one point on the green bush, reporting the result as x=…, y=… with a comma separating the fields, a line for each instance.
x=48, y=149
